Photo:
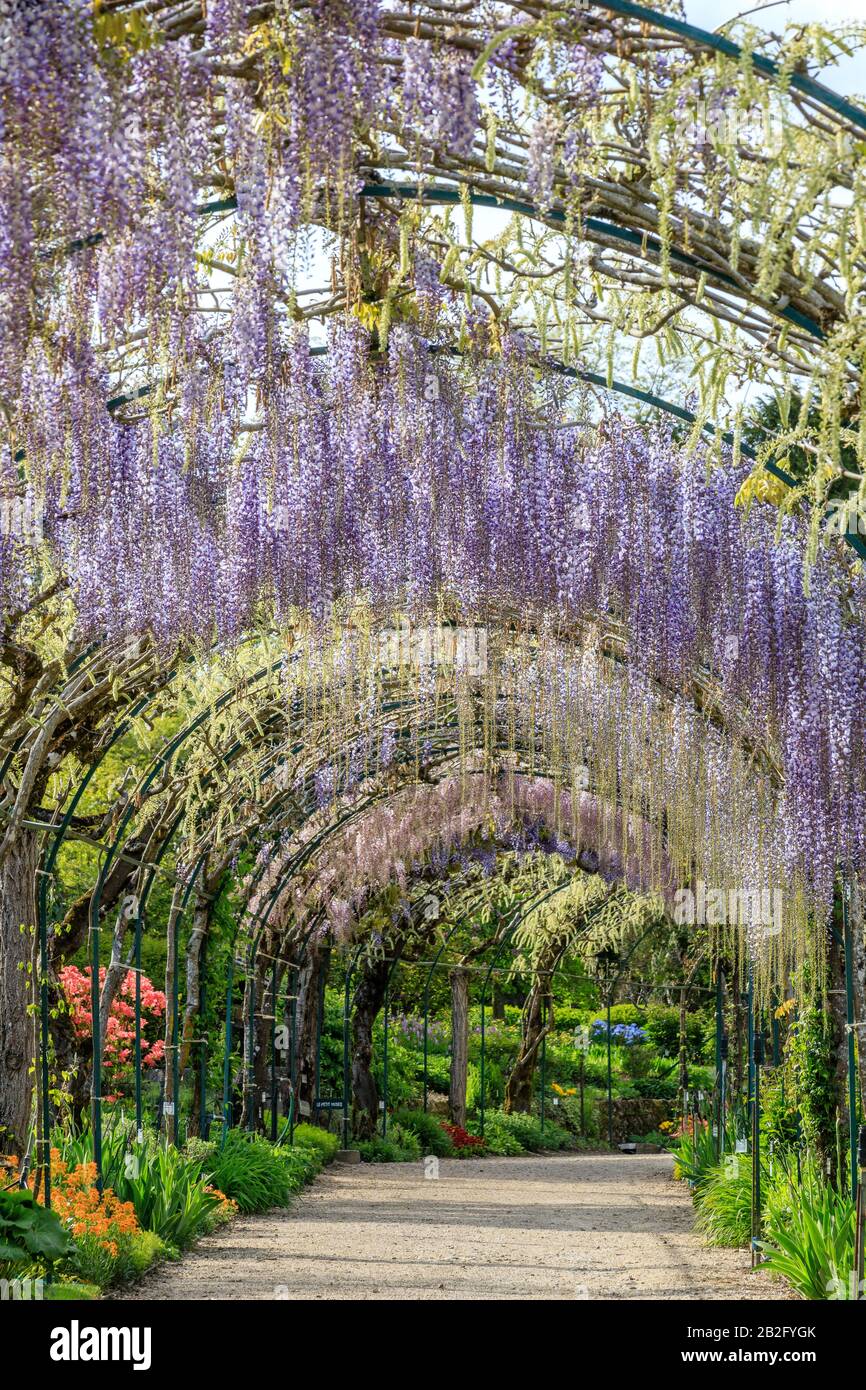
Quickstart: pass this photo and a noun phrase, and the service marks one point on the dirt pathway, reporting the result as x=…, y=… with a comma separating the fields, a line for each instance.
x=561, y=1227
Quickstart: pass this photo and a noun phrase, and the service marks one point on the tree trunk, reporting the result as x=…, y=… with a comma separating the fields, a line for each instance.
x=311, y=982
x=518, y=1090
x=255, y=1047
x=17, y=1024
x=117, y=968
x=459, y=1045
x=169, y=1099
x=369, y=997
x=195, y=967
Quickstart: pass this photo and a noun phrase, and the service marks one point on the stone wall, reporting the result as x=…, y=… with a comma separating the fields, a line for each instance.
x=637, y=1116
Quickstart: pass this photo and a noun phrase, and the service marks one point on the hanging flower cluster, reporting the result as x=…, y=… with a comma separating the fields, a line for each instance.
x=468, y=501
x=609, y=765
x=119, y=125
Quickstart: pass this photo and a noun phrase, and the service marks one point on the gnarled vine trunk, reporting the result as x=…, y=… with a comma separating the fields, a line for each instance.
x=17, y=1022
x=369, y=997
x=256, y=1002
x=459, y=1045
x=311, y=983
x=518, y=1090
x=192, y=1014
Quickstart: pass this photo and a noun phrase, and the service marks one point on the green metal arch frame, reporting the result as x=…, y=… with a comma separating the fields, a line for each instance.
x=800, y=82
x=111, y=851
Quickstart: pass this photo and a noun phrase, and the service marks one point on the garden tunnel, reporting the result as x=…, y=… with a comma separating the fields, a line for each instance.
x=252, y=489
x=262, y=742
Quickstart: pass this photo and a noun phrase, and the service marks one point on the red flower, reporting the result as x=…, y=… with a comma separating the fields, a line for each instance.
x=461, y=1138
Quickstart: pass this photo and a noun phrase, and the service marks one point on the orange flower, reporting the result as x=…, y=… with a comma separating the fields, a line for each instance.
x=80, y=1206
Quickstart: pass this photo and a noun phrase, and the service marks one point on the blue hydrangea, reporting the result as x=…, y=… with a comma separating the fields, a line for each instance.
x=626, y=1034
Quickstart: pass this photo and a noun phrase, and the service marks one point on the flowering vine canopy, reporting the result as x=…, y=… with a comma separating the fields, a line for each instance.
x=304, y=311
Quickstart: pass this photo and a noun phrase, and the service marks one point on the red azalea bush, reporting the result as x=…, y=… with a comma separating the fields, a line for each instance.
x=120, y=1032
x=461, y=1138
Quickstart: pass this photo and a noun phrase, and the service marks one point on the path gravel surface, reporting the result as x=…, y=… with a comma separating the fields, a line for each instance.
x=565, y=1226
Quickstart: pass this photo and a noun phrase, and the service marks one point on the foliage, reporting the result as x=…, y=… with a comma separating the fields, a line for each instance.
x=165, y=1187
x=104, y=1265
x=301, y=1163
x=28, y=1233
x=628, y=1014
x=432, y=1133
x=662, y=1027
x=105, y=1244
x=379, y=1150
x=655, y=1087
x=313, y=1137
x=695, y=1153
x=809, y=1237
x=569, y=1111
x=809, y=1052
x=520, y=1133
x=253, y=1173
x=494, y=1085
x=499, y=1136
x=461, y=1141
x=780, y=1114
x=724, y=1202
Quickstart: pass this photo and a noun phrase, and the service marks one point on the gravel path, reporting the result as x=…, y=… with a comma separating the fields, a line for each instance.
x=565, y=1226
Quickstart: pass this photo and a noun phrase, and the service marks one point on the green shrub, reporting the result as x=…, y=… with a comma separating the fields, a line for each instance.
x=312, y=1137
x=301, y=1163
x=520, y=1133
x=568, y=1019
x=494, y=1085
x=95, y=1263
x=250, y=1171
x=438, y=1073
x=556, y=1136
x=655, y=1088
x=626, y=1013
x=168, y=1192
x=662, y=1027
x=568, y=1111
x=637, y=1062
x=67, y=1291
x=724, y=1202
x=527, y=1131
x=432, y=1137
x=405, y=1139
x=780, y=1114
x=166, y=1186
x=200, y=1150
x=695, y=1155
x=379, y=1150
x=499, y=1137
x=809, y=1240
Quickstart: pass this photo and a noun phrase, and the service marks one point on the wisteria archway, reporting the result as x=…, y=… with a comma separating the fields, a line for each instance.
x=326, y=537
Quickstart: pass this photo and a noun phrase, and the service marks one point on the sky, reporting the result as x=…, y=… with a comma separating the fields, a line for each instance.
x=849, y=77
